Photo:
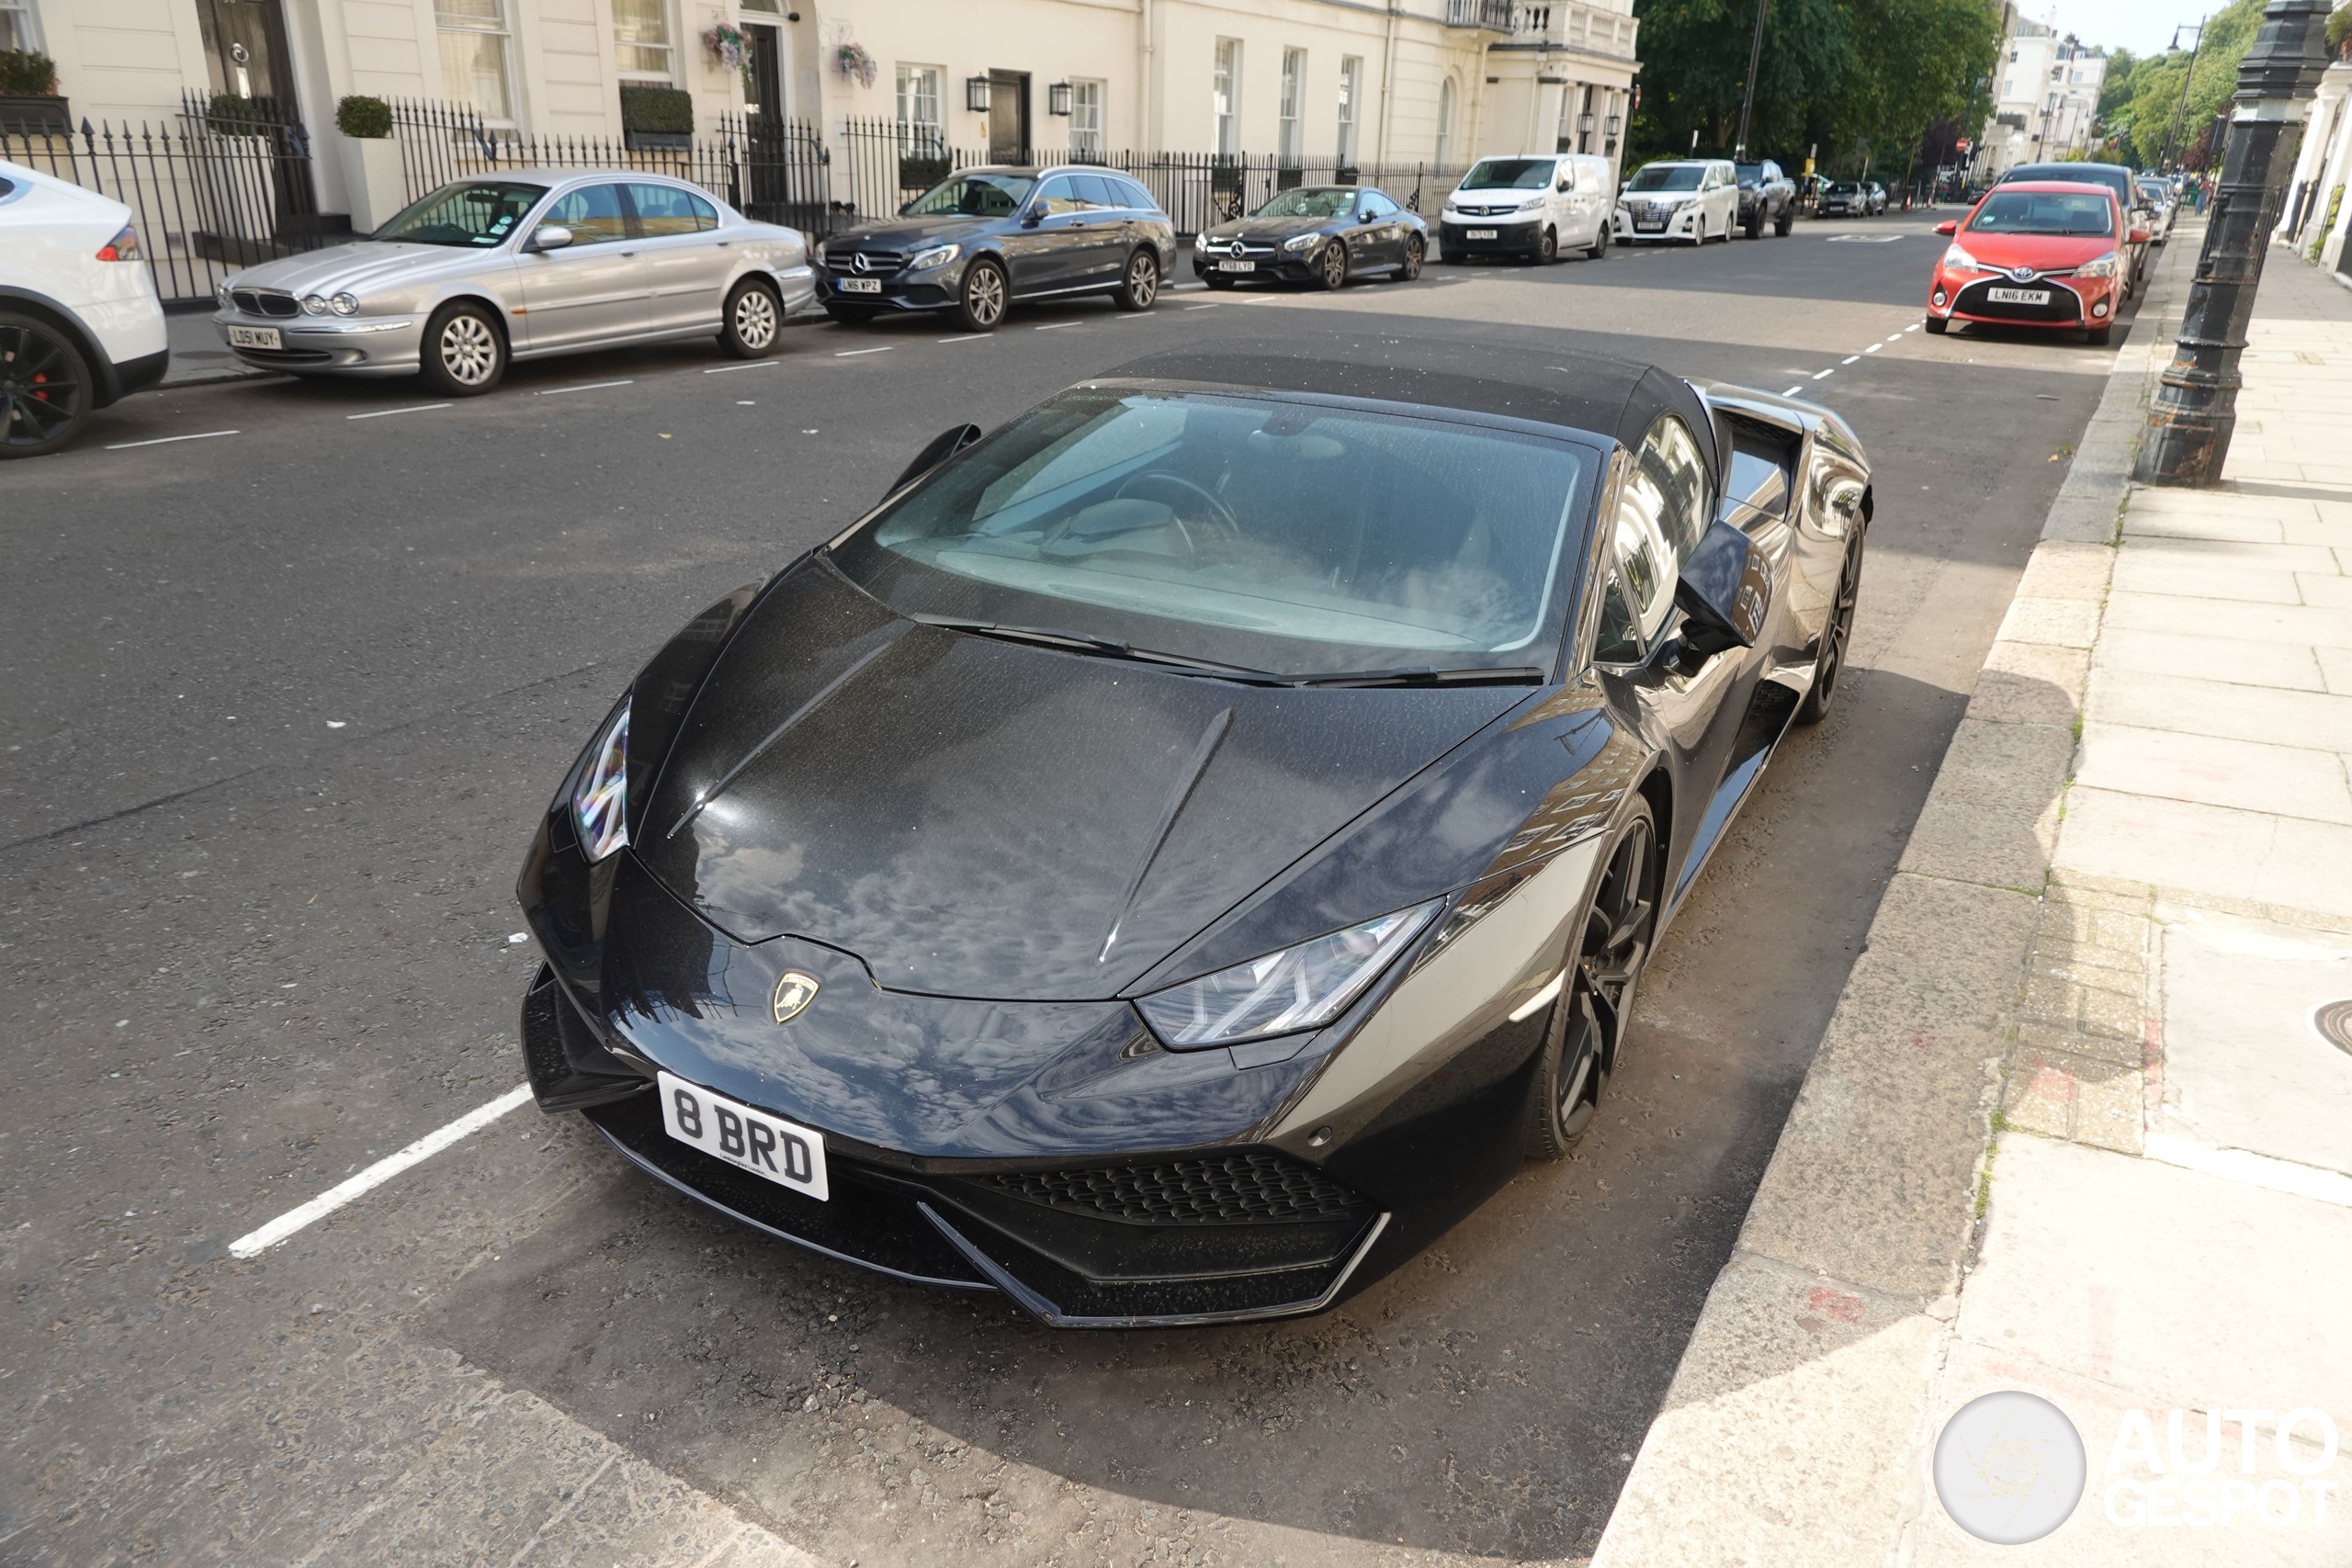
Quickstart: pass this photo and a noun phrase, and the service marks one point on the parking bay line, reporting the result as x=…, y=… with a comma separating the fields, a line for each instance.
x=590, y=387
x=967, y=337
x=167, y=440
x=1056, y=326
x=259, y=1241
x=1850, y=359
x=386, y=413
x=1819, y=374
x=854, y=352
x=747, y=365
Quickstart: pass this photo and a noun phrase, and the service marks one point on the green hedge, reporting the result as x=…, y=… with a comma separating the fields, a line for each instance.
x=363, y=117
x=234, y=116
x=26, y=72
x=664, y=110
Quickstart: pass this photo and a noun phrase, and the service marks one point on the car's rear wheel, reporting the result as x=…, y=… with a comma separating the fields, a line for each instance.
x=1410, y=267
x=1331, y=270
x=1755, y=222
x=45, y=388
x=464, y=353
x=1837, y=633
x=1786, y=221
x=752, y=320
x=1938, y=325
x=979, y=304
x=1598, y=249
x=1608, y=948
x=1139, y=284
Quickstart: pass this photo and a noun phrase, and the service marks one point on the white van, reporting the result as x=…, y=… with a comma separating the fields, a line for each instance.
x=1528, y=205
x=1691, y=200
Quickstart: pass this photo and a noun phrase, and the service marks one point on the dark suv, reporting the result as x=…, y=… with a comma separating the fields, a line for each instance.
x=983, y=238
x=1765, y=197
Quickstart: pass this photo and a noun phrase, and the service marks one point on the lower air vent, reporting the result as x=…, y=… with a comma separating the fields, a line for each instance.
x=1224, y=1189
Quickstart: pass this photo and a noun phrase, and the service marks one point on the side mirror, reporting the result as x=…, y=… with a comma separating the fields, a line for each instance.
x=905, y=208
x=1033, y=217
x=1724, y=592
x=549, y=237
x=2140, y=236
x=1948, y=226
x=943, y=445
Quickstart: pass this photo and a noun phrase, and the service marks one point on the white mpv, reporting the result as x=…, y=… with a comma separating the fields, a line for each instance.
x=1691, y=200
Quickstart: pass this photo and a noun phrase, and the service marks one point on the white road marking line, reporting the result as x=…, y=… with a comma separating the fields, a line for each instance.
x=747, y=365
x=968, y=337
x=1897, y=337
x=1912, y=328
x=1056, y=326
x=1793, y=391
x=1831, y=371
x=387, y=413
x=1530, y=1007
x=1211, y=306
x=375, y=1175
x=1874, y=348
x=167, y=440
x=854, y=352
x=590, y=387
x=1850, y=359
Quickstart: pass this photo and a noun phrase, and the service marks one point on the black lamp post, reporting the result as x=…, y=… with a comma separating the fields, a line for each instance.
x=1747, y=98
x=2195, y=411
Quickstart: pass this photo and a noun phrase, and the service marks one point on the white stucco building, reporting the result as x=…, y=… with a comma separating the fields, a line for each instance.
x=2318, y=216
x=2045, y=100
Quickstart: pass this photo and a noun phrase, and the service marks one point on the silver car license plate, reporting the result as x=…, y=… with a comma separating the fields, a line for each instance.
x=785, y=1153
x=2018, y=296
x=861, y=285
x=1237, y=266
x=1649, y=225
x=1477, y=233
x=255, y=337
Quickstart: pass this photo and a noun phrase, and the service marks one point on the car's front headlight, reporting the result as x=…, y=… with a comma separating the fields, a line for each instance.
x=600, y=800
x=344, y=304
x=938, y=255
x=1529, y=203
x=1298, y=989
x=1958, y=260
x=1200, y=242
x=221, y=293
x=314, y=304
x=1300, y=241
x=2100, y=266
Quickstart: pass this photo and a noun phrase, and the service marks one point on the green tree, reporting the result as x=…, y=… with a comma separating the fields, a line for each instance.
x=2155, y=86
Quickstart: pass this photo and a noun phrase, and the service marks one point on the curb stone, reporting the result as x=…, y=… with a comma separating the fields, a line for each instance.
x=1797, y=1424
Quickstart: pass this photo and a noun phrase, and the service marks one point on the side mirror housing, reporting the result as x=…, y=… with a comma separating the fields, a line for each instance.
x=2140, y=236
x=1948, y=226
x=905, y=208
x=549, y=237
x=1033, y=217
x=1724, y=592
x=941, y=447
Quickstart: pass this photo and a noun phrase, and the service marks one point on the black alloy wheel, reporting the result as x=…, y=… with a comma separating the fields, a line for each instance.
x=1139, y=284
x=45, y=388
x=752, y=320
x=1586, y=1042
x=1836, y=632
x=1547, y=249
x=1410, y=267
x=979, y=304
x=1331, y=268
x=1755, y=222
x=464, y=351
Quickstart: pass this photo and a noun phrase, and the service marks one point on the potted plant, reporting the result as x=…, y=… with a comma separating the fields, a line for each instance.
x=732, y=49
x=30, y=100
x=371, y=162
x=657, y=117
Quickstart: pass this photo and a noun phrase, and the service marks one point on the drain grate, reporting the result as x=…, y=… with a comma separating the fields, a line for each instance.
x=2334, y=1022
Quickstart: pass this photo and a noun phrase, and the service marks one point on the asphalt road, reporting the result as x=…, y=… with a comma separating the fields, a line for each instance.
x=280, y=706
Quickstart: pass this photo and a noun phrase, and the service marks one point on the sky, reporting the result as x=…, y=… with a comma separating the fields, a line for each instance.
x=2143, y=26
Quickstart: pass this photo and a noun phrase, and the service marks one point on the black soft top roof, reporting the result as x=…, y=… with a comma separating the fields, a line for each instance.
x=1611, y=398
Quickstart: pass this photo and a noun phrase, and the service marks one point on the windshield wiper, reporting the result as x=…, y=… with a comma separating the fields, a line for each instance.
x=1502, y=675
x=1104, y=647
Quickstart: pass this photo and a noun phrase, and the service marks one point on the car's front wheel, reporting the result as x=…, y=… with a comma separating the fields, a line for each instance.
x=1410, y=267
x=45, y=388
x=979, y=304
x=1332, y=271
x=2099, y=337
x=752, y=320
x=1938, y=326
x=1598, y=249
x=1547, y=249
x=1755, y=222
x=1837, y=633
x=1605, y=951
x=1139, y=284
x=464, y=353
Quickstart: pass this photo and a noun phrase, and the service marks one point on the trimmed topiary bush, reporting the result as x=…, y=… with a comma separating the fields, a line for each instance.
x=363, y=117
x=667, y=111
x=26, y=73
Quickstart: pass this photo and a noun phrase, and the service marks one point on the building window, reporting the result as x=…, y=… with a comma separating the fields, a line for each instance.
x=1224, y=95
x=1350, y=89
x=1290, y=141
x=919, y=122
x=1445, y=123
x=17, y=28
x=642, y=32
x=473, y=56
x=1086, y=117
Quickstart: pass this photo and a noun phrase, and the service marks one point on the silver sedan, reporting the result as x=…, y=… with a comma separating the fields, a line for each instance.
x=520, y=265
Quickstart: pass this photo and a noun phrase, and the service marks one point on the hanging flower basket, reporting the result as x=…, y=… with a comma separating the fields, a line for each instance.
x=852, y=61
x=731, y=47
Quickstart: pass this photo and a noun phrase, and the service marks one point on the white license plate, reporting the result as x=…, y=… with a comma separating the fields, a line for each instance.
x=1649, y=225
x=787, y=1154
x=255, y=337
x=860, y=284
x=1477, y=233
x=1237, y=266
x=2018, y=296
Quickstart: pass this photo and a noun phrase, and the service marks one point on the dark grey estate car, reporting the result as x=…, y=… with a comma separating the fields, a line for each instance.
x=983, y=238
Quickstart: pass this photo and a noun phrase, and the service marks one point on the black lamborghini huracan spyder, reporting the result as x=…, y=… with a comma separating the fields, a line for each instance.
x=1182, y=850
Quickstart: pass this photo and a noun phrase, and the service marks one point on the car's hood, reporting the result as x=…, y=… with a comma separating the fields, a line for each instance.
x=905, y=234
x=978, y=819
x=1263, y=229
x=2040, y=252
x=363, y=264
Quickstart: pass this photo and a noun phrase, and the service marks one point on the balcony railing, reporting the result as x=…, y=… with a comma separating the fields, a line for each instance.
x=1495, y=15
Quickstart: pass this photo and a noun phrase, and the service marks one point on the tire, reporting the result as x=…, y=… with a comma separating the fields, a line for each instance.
x=45, y=388
x=1583, y=1045
x=1410, y=267
x=1139, y=284
x=1331, y=272
x=463, y=352
x=1837, y=633
x=2099, y=337
x=851, y=315
x=1786, y=221
x=981, y=297
x=1547, y=249
x=1755, y=222
x=1938, y=326
x=1598, y=249
x=753, y=320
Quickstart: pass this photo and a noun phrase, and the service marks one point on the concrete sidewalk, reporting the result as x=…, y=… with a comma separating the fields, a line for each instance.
x=2074, y=1127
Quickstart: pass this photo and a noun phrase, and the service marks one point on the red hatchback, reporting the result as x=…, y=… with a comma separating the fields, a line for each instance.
x=2038, y=254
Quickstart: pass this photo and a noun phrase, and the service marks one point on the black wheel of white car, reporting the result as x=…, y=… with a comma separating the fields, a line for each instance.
x=44, y=388
x=1140, y=284
x=464, y=353
x=1605, y=951
x=752, y=320
x=1598, y=249
x=1547, y=249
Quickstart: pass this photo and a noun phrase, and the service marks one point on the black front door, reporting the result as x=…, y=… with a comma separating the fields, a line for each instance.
x=1007, y=117
x=765, y=99
x=244, y=49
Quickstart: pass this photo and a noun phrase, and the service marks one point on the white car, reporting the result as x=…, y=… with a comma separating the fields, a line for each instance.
x=1529, y=205
x=80, y=324
x=1691, y=200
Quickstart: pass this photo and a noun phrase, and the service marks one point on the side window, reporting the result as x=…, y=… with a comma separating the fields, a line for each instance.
x=667, y=209
x=1056, y=196
x=1379, y=204
x=592, y=213
x=1618, y=641
x=1668, y=467
x=1567, y=180
x=1093, y=190
x=1137, y=197
x=1646, y=563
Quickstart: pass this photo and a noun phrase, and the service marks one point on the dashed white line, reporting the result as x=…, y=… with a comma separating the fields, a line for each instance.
x=1056, y=326
x=1211, y=306
x=854, y=352
x=1819, y=374
x=968, y=337
x=747, y=365
x=1912, y=328
x=167, y=440
x=590, y=387
x=1897, y=337
x=1873, y=348
x=387, y=413
x=375, y=1175
x=1850, y=359
x=1793, y=391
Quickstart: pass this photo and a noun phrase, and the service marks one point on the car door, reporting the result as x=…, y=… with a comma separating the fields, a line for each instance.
x=1108, y=222
x=594, y=289
x=1378, y=238
x=1049, y=244
x=679, y=244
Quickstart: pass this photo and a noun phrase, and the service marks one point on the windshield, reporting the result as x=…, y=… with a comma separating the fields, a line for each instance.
x=1508, y=174
x=479, y=212
x=1666, y=176
x=1309, y=204
x=2044, y=212
x=974, y=196
x=1750, y=173
x=1246, y=530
